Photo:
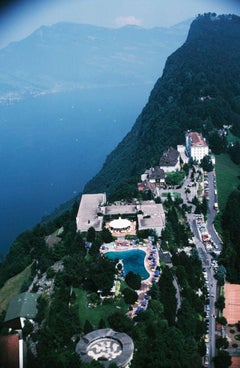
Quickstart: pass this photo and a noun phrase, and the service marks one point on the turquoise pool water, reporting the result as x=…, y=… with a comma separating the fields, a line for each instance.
x=133, y=260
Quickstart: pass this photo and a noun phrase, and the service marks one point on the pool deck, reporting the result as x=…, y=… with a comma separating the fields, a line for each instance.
x=124, y=245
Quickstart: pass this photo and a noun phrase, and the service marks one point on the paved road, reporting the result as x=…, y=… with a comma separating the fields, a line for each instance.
x=206, y=261
x=211, y=211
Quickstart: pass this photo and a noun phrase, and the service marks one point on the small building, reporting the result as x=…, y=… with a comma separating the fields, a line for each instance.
x=196, y=146
x=155, y=175
x=170, y=160
x=106, y=346
x=22, y=306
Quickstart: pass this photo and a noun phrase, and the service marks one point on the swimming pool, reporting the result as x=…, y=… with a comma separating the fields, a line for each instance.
x=133, y=260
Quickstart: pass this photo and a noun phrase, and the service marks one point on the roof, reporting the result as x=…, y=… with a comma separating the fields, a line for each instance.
x=169, y=157
x=121, y=209
x=102, y=338
x=88, y=212
x=196, y=139
x=235, y=362
x=120, y=223
x=9, y=351
x=155, y=173
x=22, y=305
x=153, y=215
x=51, y=240
x=232, y=303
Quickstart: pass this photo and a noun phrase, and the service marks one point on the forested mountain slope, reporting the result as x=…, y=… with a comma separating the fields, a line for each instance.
x=199, y=89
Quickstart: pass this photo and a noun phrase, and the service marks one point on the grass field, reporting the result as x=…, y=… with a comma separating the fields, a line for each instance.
x=13, y=287
x=100, y=311
x=232, y=138
x=227, y=178
x=173, y=194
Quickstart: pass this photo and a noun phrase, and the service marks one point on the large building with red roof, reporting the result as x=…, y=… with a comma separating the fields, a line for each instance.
x=196, y=147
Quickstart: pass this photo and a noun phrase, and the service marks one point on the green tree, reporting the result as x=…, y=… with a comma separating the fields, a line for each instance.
x=222, y=320
x=220, y=275
x=91, y=234
x=42, y=304
x=206, y=163
x=168, y=295
x=186, y=319
x=222, y=343
x=222, y=360
x=130, y=296
x=234, y=152
x=175, y=178
x=118, y=321
x=88, y=327
x=133, y=280
x=102, y=323
x=204, y=206
x=106, y=235
x=220, y=303
x=27, y=329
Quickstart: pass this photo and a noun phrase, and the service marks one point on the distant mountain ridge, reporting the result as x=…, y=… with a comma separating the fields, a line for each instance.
x=199, y=89
x=67, y=56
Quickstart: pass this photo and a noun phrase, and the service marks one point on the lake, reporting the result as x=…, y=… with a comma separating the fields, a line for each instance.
x=51, y=145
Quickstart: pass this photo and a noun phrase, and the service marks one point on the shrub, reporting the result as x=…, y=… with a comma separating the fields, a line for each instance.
x=133, y=280
x=130, y=296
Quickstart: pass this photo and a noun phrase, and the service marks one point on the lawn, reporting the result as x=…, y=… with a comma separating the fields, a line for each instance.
x=232, y=138
x=99, y=312
x=227, y=178
x=13, y=287
x=173, y=194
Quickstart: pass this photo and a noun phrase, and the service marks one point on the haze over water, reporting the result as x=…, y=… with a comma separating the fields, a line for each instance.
x=50, y=146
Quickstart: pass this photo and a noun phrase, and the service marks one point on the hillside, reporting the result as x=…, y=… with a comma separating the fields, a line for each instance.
x=199, y=89
x=68, y=56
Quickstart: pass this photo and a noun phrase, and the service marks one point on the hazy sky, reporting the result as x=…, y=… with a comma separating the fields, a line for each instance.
x=19, y=18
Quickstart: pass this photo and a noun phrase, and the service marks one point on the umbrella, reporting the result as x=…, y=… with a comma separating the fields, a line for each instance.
x=138, y=310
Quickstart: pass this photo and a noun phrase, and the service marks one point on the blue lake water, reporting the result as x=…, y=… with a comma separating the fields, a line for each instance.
x=51, y=145
x=133, y=260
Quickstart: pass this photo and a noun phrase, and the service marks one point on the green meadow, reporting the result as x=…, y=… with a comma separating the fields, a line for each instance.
x=228, y=175
x=100, y=311
x=13, y=286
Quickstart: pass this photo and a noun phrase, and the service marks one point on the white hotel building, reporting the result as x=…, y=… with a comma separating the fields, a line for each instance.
x=196, y=147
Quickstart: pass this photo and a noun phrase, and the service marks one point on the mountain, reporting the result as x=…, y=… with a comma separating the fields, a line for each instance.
x=67, y=56
x=199, y=89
